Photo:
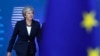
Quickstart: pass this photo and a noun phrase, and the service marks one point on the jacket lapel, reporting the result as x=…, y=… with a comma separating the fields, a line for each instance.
x=32, y=28
x=25, y=28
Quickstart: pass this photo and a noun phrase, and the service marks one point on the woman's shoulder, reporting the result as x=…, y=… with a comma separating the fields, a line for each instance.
x=21, y=21
x=36, y=22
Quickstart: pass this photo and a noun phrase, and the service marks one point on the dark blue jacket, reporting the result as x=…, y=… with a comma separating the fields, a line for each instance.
x=23, y=40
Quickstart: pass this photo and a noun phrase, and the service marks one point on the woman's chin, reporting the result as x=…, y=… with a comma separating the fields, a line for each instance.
x=29, y=18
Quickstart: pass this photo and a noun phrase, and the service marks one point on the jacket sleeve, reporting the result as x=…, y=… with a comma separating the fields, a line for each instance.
x=38, y=33
x=13, y=38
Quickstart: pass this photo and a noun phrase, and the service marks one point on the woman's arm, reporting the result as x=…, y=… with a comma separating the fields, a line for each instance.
x=38, y=34
x=13, y=38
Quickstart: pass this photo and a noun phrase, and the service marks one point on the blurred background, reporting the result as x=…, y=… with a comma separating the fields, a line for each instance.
x=69, y=27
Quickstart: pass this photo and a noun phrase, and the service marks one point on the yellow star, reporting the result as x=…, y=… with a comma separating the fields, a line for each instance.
x=93, y=52
x=89, y=21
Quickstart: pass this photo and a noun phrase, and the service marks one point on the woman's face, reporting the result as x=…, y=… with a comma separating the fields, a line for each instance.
x=29, y=15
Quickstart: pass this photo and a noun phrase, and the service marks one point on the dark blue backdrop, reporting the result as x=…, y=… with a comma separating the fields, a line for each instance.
x=62, y=35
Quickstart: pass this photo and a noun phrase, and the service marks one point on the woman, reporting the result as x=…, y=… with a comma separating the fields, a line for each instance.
x=26, y=30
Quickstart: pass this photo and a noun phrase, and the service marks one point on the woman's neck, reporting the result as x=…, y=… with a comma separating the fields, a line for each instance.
x=28, y=22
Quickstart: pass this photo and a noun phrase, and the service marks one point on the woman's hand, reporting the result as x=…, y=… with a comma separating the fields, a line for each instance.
x=8, y=53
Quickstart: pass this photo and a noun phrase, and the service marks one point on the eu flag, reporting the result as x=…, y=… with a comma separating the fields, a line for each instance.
x=68, y=28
